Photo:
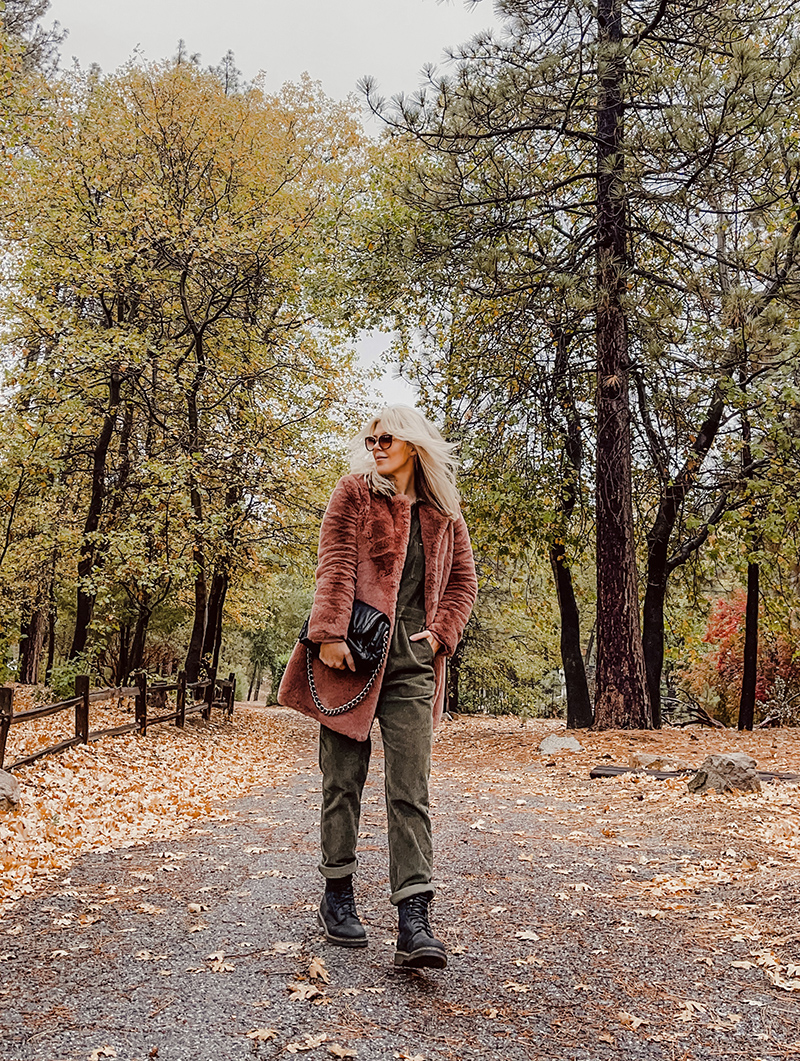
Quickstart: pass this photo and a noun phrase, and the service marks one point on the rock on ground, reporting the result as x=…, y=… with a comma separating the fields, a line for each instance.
x=556, y=743
x=729, y=772
x=9, y=790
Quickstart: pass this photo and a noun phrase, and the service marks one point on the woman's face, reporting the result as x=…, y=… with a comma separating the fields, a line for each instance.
x=398, y=459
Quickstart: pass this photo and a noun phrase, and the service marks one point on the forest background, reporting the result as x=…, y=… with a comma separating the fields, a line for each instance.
x=582, y=236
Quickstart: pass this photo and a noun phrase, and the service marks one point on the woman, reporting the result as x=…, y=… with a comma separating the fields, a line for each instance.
x=394, y=537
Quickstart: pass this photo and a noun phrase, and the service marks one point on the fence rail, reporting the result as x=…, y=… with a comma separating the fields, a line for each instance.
x=216, y=692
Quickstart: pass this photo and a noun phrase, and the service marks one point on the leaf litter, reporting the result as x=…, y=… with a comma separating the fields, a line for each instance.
x=118, y=791
x=722, y=869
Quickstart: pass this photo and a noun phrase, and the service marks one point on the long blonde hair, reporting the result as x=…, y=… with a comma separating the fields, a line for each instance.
x=435, y=465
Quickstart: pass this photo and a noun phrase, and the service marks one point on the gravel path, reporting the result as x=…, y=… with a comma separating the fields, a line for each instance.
x=204, y=948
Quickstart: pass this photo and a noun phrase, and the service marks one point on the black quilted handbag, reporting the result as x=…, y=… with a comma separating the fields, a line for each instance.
x=367, y=638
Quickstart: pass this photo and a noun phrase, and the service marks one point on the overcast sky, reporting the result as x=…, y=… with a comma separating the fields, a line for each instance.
x=335, y=41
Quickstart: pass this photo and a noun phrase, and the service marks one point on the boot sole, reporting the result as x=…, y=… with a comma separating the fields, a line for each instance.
x=339, y=941
x=421, y=958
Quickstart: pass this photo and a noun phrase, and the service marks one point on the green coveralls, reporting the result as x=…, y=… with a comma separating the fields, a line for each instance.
x=405, y=715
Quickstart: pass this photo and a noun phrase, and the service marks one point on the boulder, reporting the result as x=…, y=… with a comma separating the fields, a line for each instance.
x=557, y=742
x=9, y=790
x=726, y=772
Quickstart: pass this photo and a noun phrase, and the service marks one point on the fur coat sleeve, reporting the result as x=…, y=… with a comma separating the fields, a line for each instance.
x=362, y=550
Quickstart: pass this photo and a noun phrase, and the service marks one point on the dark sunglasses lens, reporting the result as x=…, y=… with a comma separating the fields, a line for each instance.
x=370, y=441
x=385, y=441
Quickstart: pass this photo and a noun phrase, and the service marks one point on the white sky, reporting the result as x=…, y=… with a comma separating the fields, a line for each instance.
x=335, y=41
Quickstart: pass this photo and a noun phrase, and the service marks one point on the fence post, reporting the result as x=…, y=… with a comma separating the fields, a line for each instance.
x=6, y=711
x=180, y=700
x=211, y=688
x=82, y=708
x=141, y=702
x=231, y=693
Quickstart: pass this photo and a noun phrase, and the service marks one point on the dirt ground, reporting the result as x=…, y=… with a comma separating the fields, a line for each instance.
x=585, y=919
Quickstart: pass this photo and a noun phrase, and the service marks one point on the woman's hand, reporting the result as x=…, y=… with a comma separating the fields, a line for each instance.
x=337, y=655
x=429, y=637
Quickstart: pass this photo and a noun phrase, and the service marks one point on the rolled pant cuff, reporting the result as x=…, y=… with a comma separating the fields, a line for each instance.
x=336, y=872
x=409, y=890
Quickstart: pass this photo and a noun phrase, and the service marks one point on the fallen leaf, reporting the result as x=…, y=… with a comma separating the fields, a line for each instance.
x=317, y=970
x=261, y=1035
x=311, y=1043
x=285, y=948
x=630, y=1021
x=520, y=989
x=102, y=1051
x=218, y=963
x=528, y=934
x=335, y=1050
x=301, y=991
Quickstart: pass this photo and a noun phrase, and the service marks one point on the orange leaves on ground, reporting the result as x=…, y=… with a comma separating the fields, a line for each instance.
x=121, y=790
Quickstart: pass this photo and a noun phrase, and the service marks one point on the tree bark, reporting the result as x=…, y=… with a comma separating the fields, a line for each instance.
x=194, y=653
x=143, y=614
x=747, y=704
x=659, y=563
x=253, y=681
x=124, y=669
x=31, y=647
x=579, y=706
x=454, y=679
x=213, y=632
x=622, y=700
x=86, y=562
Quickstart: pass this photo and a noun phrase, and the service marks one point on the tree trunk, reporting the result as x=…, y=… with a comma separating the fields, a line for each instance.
x=86, y=562
x=660, y=565
x=144, y=612
x=621, y=687
x=747, y=704
x=51, y=642
x=579, y=706
x=653, y=615
x=124, y=669
x=454, y=679
x=256, y=668
x=194, y=654
x=31, y=647
x=216, y=603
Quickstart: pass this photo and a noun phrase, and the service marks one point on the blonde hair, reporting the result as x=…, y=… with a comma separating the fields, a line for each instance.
x=435, y=465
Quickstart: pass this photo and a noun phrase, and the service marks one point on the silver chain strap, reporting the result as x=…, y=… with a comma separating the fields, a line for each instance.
x=331, y=711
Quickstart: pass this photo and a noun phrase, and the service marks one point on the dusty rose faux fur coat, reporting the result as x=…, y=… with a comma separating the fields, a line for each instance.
x=362, y=550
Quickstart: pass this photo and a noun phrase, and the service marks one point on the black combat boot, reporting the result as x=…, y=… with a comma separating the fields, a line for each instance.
x=417, y=946
x=337, y=914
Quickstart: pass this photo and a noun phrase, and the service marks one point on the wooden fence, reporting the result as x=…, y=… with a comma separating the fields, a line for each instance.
x=208, y=694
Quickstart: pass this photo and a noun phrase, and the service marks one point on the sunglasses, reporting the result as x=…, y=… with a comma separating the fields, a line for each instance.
x=381, y=442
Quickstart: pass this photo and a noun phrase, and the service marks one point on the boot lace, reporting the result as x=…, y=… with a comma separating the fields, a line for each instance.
x=343, y=900
x=417, y=912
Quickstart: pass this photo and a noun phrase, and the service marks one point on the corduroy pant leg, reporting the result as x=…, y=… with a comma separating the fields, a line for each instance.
x=344, y=763
x=405, y=715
